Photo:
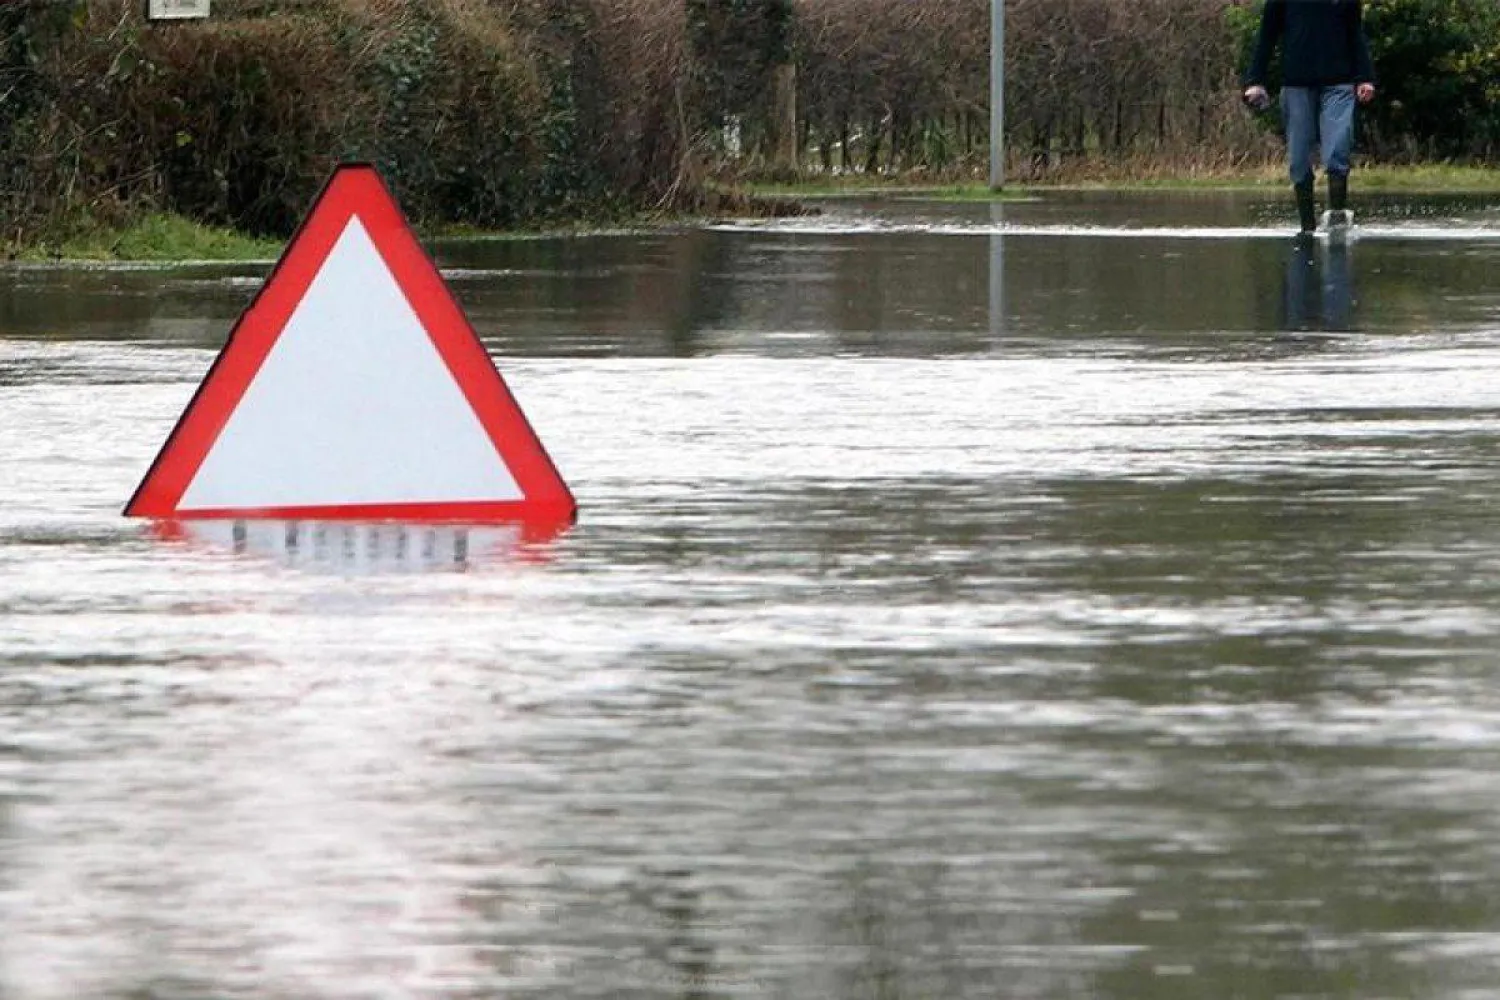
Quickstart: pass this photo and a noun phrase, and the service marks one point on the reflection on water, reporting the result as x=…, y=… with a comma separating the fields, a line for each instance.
x=995, y=614
x=1319, y=291
x=919, y=284
x=358, y=547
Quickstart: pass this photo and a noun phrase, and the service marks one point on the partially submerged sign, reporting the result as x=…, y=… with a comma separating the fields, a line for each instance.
x=354, y=388
x=360, y=547
x=176, y=10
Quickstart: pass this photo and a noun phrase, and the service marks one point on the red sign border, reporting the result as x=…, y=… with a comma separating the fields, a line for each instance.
x=357, y=190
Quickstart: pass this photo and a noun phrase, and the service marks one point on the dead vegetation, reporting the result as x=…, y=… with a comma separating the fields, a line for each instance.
x=503, y=113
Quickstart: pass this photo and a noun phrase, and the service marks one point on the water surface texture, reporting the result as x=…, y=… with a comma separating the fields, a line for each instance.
x=1096, y=597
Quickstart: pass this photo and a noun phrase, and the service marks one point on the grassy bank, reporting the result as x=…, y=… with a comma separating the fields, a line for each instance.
x=1435, y=178
x=153, y=237
x=166, y=237
x=1431, y=178
x=855, y=185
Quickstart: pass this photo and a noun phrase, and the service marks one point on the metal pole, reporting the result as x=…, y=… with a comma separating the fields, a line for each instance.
x=997, y=94
x=997, y=273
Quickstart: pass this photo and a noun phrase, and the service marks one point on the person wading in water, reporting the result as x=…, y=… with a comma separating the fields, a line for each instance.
x=1325, y=64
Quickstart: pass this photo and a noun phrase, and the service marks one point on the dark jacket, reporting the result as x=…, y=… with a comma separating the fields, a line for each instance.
x=1322, y=43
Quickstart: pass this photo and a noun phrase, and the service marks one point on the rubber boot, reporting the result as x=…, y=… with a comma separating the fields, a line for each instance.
x=1338, y=192
x=1339, y=219
x=1307, y=209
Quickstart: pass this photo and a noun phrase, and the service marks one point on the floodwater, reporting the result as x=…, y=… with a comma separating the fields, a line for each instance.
x=1096, y=597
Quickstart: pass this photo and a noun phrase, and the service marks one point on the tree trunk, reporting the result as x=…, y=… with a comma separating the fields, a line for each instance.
x=783, y=118
x=872, y=152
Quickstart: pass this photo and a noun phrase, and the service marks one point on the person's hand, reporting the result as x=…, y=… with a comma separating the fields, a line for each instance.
x=1257, y=97
x=1365, y=92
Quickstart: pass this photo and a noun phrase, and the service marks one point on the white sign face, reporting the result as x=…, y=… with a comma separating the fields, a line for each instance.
x=354, y=405
x=176, y=10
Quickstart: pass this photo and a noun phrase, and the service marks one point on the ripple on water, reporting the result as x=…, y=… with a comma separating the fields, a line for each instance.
x=1073, y=670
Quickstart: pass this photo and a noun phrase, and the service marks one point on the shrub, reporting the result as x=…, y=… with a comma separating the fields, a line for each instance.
x=477, y=112
x=1438, y=68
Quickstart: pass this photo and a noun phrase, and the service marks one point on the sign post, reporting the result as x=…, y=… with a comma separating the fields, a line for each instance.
x=997, y=94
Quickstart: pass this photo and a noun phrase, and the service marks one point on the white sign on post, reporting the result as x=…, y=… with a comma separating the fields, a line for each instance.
x=176, y=10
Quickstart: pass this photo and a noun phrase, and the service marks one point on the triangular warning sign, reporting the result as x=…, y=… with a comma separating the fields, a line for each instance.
x=353, y=387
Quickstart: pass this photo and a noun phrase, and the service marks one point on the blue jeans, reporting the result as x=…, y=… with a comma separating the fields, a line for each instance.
x=1322, y=115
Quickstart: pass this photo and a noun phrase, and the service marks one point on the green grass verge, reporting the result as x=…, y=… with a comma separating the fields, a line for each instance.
x=1433, y=178
x=1417, y=179
x=1436, y=178
x=153, y=237
x=166, y=237
x=862, y=187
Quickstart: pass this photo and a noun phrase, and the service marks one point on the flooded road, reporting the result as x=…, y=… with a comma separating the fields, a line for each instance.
x=1096, y=597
